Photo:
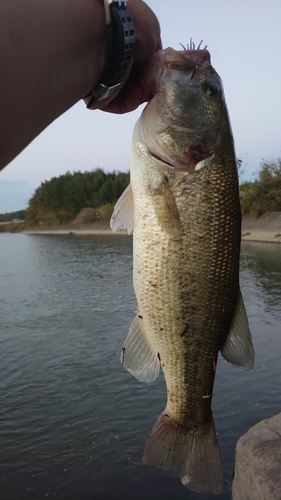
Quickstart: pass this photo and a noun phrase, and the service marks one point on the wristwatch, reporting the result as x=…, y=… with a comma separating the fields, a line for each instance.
x=120, y=45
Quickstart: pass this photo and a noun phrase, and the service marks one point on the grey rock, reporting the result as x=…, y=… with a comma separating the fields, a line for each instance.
x=257, y=474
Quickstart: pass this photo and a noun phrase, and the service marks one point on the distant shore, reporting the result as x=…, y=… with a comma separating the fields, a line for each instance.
x=81, y=232
x=78, y=229
x=266, y=228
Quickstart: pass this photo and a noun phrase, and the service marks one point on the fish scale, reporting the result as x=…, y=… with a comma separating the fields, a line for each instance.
x=184, y=209
x=183, y=306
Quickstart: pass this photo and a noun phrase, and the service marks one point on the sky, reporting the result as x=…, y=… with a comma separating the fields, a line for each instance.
x=244, y=39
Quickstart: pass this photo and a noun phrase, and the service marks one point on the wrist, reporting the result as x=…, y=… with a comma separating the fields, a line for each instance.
x=93, y=33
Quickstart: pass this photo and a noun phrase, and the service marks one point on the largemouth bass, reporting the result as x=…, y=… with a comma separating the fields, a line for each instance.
x=183, y=207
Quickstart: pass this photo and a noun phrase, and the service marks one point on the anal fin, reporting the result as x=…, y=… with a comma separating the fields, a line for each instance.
x=137, y=355
x=238, y=348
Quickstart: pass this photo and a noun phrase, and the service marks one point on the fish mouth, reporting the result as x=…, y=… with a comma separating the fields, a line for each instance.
x=194, y=155
x=159, y=158
x=178, y=166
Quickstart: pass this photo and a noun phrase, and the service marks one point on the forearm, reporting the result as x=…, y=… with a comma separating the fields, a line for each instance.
x=51, y=55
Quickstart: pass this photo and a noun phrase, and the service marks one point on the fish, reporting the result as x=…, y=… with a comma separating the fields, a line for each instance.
x=182, y=206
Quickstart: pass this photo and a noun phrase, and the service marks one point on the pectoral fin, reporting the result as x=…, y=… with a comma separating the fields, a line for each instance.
x=137, y=355
x=123, y=214
x=166, y=210
x=238, y=348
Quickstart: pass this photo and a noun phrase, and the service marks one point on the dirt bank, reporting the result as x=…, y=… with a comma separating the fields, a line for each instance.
x=267, y=228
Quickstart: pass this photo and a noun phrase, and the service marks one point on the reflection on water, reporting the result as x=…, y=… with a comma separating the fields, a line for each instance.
x=264, y=262
x=73, y=422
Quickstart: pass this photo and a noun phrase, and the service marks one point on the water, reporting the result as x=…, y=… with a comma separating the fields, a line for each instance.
x=73, y=422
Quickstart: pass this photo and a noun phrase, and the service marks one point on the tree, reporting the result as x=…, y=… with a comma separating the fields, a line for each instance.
x=264, y=194
x=61, y=198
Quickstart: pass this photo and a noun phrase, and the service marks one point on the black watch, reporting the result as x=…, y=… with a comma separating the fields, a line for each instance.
x=120, y=45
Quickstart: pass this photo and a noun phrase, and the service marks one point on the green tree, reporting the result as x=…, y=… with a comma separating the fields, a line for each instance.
x=61, y=198
x=264, y=194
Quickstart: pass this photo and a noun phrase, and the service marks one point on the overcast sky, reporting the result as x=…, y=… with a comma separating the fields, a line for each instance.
x=244, y=39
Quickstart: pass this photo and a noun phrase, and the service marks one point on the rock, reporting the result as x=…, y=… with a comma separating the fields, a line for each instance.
x=257, y=474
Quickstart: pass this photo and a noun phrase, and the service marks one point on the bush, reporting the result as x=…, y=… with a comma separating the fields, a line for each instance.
x=62, y=198
x=264, y=194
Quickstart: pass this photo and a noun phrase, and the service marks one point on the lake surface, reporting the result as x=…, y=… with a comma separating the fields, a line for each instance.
x=73, y=422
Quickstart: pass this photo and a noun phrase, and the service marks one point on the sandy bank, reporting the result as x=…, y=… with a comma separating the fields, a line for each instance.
x=76, y=231
x=266, y=228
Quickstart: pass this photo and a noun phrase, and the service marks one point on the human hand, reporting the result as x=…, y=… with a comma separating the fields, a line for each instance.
x=137, y=83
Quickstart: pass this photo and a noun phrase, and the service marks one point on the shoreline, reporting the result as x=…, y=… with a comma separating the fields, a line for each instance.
x=261, y=237
x=254, y=235
x=265, y=229
x=71, y=231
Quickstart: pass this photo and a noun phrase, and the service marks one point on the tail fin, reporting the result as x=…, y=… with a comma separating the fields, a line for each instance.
x=194, y=454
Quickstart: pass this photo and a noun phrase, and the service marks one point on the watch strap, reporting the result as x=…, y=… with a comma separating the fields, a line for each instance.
x=120, y=45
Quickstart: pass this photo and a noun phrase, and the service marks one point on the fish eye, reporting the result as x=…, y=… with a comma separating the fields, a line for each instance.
x=210, y=89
